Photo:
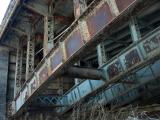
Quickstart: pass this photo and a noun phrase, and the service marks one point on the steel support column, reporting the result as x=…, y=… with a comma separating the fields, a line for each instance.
x=102, y=58
x=134, y=28
x=4, y=60
x=49, y=31
x=48, y=34
x=79, y=7
x=30, y=55
x=18, y=71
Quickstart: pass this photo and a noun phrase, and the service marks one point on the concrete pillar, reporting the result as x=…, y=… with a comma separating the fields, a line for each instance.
x=4, y=58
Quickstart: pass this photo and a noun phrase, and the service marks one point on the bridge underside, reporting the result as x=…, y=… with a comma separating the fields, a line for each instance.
x=78, y=54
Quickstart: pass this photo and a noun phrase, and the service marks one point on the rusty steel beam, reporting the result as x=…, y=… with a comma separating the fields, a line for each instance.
x=79, y=7
x=85, y=73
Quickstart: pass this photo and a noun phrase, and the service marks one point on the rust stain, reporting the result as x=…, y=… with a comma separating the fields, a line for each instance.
x=100, y=18
x=73, y=43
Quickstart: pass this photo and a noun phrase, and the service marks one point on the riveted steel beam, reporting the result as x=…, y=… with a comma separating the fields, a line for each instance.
x=30, y=56
x=102, y=59
x=18, y=71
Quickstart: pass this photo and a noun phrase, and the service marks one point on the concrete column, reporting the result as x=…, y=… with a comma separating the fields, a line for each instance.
x=4, y=58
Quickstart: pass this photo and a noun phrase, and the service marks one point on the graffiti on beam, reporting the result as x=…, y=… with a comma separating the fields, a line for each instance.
x=131, y=58
x=114, y=69
x=32, y=85
x=43, y=75
x=151, y=44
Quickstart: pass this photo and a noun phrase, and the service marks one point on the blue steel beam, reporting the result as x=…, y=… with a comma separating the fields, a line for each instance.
x=147, y=73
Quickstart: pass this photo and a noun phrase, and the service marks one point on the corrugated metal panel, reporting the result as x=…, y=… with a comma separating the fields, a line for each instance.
x=70, y=98
x=76, y=95
x=85, y=88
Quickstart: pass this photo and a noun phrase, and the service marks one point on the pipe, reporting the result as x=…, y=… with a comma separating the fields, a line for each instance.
x=85, y=73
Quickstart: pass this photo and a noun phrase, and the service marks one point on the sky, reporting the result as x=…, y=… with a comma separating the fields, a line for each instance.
x=3, y=7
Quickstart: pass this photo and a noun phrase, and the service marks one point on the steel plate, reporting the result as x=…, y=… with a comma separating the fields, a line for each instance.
x=100, y=18
x=73, y=43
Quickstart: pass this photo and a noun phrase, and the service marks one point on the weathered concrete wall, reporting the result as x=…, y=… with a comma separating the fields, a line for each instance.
x=4, y=56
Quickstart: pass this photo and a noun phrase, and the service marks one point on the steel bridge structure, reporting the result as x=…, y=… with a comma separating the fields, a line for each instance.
x=56, y=54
